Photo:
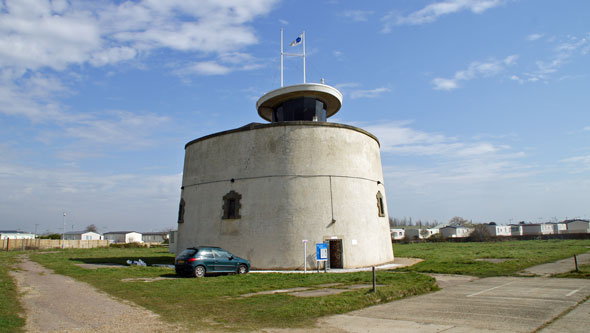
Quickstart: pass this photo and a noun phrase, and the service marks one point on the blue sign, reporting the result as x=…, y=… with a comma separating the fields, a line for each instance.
x=322, y=251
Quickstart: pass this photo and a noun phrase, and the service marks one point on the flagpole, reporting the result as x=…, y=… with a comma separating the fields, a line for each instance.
x=281, y=57
x=303, y=37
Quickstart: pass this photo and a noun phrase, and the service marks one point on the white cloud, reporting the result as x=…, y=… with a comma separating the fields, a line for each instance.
x=222, y=65
x=342, y=86
x=586, y=128
x=371, y=93
x=474, y=70
x=39, y=33
x=444, y=84
x=398, y=138
x=578, y=164
x=563, y=53
x=207, y=68
x=119, y=128
x=109, y=200
x=533, y=37
x=358, y=15
x=433, y=11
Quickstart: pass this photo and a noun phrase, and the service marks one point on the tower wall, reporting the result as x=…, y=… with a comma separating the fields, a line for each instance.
x=294, y=178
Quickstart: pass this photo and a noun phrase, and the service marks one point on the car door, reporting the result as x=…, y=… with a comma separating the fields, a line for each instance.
x=222, y=261
x=205, y=257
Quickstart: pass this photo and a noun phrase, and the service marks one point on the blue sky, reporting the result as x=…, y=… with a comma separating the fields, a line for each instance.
x=481, y=106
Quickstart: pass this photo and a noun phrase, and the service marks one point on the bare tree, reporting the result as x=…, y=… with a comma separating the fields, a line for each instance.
x=424, y=233
x=458, y=221
x=91, y=227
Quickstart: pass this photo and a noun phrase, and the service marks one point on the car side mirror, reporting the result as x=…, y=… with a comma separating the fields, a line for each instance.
x=231, y=258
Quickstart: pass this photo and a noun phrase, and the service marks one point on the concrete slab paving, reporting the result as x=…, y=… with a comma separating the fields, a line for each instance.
x=560, y=266
x=508, y=304
x=575, y=321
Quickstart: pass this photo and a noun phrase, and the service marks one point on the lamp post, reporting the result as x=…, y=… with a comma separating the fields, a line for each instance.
x=63, y=234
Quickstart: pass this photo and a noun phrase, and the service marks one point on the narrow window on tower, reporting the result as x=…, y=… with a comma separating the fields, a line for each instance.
x=380, y=206
x=181, y=211
x=231, y=205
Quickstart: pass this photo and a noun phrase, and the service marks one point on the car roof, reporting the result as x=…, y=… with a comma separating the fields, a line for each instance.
x=205, y=247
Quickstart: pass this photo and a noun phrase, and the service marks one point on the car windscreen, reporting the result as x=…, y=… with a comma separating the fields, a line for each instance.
x=187, y=253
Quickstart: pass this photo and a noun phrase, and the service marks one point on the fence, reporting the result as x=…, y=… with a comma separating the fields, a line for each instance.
x=43, y=244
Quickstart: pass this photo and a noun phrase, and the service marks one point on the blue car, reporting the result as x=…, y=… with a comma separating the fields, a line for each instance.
x=198, y=261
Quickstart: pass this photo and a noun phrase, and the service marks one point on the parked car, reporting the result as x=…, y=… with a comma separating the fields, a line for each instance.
x=198, y=261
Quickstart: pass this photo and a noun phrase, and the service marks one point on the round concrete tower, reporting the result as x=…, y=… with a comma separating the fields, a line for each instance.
x=260, y=190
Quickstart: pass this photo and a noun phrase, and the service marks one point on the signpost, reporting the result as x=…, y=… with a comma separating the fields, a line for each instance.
x=321, y=254
x=305, y=256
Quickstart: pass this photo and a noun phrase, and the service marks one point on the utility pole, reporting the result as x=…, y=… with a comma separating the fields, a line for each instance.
x=63, y=234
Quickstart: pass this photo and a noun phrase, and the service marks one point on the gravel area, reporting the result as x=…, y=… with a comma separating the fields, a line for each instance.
x=57, y=303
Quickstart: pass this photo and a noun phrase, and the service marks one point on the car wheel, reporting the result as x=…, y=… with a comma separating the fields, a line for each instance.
x=242, y=269
x=199, y=271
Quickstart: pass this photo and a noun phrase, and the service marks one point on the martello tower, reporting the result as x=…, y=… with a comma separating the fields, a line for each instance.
x=261, y=189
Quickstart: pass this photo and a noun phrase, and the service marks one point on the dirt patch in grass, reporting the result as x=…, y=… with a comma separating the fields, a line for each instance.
x=493, y=260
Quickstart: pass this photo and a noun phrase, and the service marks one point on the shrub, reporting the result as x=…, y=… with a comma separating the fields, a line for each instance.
x=128, y=245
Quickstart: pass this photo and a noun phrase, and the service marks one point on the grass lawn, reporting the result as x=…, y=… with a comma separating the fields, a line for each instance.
x=215, y=303
x=460, y=258
x=10, y=308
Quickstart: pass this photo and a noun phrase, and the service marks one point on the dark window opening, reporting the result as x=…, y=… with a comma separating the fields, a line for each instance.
x=232, y=209
x=231, y=205
x=181, y=211
x=380, y=206
x=302, y=108
x=335, y=248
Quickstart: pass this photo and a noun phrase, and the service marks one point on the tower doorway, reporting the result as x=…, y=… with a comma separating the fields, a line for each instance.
x=335, y=248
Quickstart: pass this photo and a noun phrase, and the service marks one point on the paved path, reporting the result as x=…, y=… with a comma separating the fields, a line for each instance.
x=508, y=304
x=560, y=266
x=468, y=304
x=56, y=303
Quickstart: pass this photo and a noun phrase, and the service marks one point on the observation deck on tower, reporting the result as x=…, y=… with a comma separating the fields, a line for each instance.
x=300, y=102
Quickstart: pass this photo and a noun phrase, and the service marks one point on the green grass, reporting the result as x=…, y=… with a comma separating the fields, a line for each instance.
x=459, y=258
x=582, y=273
x=215, y=303
x=11, y=311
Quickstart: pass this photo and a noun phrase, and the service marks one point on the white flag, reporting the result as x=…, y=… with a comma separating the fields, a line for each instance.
x=297, y=40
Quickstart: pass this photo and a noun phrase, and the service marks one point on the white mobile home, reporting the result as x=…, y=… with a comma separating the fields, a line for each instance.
x=559, y=228
x=173, y=237
x=123, y=236
x=537, y=229
x=13, y=234
x=516, y=230
x=577, y=226
x=154, y=237
x=397, y=234
x=455, y=232
x=81, y=235
x=498, y=230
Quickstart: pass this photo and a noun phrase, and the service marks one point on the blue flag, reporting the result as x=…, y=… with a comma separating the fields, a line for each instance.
x=297, y=40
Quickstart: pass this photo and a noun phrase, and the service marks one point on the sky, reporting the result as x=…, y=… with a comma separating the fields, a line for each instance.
x=482, y=107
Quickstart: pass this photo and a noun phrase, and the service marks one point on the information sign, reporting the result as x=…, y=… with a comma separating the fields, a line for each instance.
x=322, y=251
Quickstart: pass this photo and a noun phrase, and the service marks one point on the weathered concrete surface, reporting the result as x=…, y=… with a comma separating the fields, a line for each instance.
x=507, y=304
x=575, y=321
x=313, y=181
x=56, y=303
x=560, y=266
x=447, y=280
